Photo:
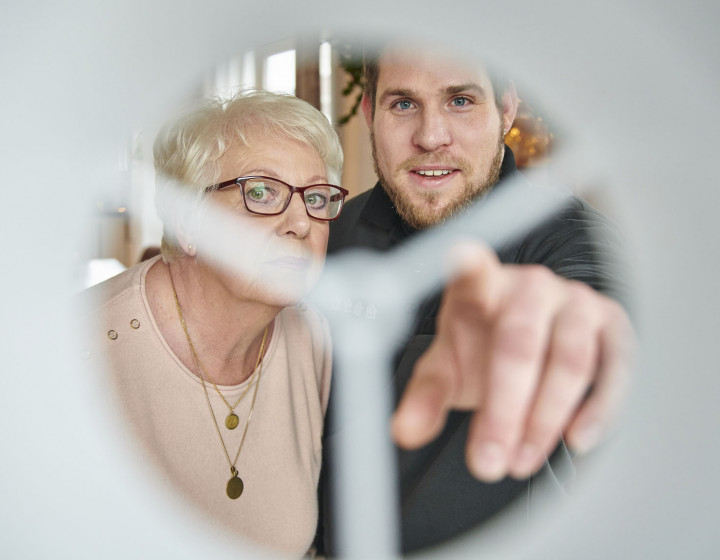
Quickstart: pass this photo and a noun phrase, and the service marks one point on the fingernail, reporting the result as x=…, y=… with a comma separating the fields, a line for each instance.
x=525, y=460
x=587, y=437
x=490, y=462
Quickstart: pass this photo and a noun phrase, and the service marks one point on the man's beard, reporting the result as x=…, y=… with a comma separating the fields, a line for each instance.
x=429, y=213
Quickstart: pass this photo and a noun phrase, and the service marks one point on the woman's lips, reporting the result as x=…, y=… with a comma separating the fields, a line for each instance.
x=290, y=263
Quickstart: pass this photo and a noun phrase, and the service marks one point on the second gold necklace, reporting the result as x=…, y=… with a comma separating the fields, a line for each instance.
x=235, y=485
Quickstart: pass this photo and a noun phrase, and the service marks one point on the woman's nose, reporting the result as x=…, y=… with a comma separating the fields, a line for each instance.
x=296, y=221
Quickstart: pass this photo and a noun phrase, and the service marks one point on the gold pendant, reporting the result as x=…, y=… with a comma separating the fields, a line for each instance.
x=234, y=487
x=232, y=421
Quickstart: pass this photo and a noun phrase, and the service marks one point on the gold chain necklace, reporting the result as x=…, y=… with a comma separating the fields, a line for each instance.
x=235, y=486
x=231, y=421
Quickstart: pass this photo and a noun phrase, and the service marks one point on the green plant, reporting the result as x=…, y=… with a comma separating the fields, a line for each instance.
x=350, y=60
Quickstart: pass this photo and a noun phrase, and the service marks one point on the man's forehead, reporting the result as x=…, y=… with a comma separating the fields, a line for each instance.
x=400, y=67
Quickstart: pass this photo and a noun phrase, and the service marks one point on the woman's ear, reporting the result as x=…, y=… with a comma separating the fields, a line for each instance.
x=184, y=230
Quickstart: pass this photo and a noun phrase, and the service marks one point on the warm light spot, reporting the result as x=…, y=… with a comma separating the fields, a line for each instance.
x=529, y=138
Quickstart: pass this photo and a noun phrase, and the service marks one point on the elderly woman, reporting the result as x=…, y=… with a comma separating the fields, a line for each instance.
x=223, y=374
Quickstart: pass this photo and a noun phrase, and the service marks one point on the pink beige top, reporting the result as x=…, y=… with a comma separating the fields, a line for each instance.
x=167, y=410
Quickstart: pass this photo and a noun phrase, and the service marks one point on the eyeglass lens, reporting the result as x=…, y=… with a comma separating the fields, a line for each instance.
x=265, y=196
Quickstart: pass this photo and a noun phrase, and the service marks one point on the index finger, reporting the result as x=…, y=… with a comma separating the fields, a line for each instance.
x=447, y=375
x=517, y=352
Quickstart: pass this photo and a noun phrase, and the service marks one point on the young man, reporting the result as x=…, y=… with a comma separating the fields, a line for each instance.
x=533, y=349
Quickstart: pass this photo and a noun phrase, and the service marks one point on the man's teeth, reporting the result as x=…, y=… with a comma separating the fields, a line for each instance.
x=434, y=172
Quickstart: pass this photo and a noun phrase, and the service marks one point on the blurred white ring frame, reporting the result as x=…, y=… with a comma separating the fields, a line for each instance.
x=622, y=70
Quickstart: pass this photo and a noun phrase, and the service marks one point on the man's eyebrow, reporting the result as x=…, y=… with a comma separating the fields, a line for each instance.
x=396, y=93
x=469, y=87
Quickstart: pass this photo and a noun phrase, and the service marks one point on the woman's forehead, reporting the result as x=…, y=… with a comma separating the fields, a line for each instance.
x=273, y=154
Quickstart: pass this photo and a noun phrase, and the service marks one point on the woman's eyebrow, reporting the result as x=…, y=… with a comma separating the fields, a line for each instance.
x=263, y=172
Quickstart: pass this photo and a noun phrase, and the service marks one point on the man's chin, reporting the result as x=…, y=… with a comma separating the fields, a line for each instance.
x=426, y=213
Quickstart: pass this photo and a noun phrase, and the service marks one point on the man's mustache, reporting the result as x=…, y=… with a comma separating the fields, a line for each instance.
x=440, y=160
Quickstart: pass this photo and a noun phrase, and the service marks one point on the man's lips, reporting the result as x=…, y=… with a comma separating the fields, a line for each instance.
x=433, y=175
x=433, y=172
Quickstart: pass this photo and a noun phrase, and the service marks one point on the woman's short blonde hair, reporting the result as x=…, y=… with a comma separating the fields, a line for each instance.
x=187, y=151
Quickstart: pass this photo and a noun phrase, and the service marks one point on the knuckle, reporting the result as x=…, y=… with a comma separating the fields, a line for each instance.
x=576, y=360
x=538, y=275
x=501, y=425
x=581, y=293
x=518, y=339
x=575, y=353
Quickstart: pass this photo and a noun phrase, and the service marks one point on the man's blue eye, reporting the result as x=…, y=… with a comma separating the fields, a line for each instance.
x=460, y=101
x=404, y=104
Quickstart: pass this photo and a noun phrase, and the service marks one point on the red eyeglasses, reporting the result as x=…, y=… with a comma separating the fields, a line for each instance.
x=269, y=196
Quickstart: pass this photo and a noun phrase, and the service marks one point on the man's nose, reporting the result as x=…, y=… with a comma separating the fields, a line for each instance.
x=433, y=130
